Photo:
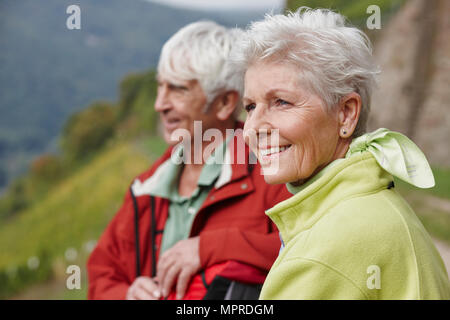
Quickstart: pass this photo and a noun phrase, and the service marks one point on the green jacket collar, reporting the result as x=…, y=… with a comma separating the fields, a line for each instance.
x=354, y=176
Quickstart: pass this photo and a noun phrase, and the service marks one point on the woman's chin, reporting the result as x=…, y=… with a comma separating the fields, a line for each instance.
x=273, y=178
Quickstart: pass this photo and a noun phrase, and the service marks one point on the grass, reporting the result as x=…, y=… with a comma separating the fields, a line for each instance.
x=442, y=187
x=442, y=178
x=75, y=211
x=431, y=205
x=437, y=224
x=55, y=287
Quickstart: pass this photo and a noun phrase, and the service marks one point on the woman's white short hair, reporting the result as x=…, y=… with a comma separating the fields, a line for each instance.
x=333, y=58
x=200, y=51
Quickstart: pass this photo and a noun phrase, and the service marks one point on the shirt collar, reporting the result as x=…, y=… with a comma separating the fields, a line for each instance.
x=213, y=166
x=230, y=171
x=168, y=181
x=296, y=189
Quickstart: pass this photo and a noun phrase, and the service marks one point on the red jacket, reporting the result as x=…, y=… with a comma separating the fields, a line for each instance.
x=237, y=240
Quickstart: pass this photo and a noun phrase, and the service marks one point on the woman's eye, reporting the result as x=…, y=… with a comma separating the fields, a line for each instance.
x=281, y=102
x=249, y=107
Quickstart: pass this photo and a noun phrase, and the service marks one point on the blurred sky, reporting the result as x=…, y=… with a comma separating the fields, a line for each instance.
x=266, y=5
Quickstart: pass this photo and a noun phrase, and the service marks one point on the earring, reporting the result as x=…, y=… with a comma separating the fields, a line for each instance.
x=344, y=132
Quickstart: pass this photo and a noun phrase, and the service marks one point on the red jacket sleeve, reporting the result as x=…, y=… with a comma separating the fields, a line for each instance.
x=257, y=249
x=110, y=266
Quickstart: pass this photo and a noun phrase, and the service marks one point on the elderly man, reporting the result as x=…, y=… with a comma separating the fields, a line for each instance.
x=192, y=229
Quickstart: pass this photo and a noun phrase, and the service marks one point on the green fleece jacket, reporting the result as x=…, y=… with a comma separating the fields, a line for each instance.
x=350, y=235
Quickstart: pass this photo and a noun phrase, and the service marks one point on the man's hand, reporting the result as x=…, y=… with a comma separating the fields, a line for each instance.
x=143, y=288
x=182, y=261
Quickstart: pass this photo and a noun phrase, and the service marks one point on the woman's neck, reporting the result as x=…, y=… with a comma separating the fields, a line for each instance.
x=341, y=150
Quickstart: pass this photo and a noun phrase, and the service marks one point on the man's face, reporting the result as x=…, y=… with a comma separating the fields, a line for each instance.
x=179, y=104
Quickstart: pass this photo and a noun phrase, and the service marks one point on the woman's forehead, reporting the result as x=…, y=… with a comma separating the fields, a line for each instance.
x=272, y=77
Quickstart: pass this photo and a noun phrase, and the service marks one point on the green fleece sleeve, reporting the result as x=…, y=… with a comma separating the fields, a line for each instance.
x=307, y=279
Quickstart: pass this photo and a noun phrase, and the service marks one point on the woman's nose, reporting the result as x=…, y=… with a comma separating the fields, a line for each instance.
x=256, y=124
x=258, y=119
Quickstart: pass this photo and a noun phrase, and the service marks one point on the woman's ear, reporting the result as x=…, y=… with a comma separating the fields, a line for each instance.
x=349, y=111
x=226, y=105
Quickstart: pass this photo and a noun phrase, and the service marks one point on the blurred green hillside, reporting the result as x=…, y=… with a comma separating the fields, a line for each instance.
x=48, y=72
x=66, y=200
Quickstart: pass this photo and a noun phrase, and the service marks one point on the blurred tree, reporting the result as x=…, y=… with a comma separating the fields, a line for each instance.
x=88, y=130
x=46, y=169
x=15, y=199
x=137, y=94
x=3, y=177
x=128, y=90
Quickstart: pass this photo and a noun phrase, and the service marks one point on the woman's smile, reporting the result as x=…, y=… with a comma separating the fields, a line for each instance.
x=270, y=153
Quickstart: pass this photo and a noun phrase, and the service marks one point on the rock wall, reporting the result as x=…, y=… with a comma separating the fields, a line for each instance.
x=413, y=96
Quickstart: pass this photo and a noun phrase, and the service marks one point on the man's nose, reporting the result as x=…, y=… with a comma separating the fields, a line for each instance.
x=162, y=102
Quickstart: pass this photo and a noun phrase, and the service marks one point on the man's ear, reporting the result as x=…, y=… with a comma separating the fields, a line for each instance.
x=349, y=111
x=226, y=104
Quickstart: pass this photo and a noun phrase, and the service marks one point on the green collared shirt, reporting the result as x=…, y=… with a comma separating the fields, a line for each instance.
x=182, y=210
x=294, y=189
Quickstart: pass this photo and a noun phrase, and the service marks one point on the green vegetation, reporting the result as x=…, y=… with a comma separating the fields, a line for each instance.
x=437, y=224
x=80, y=136
x=442, y=178
x=135, y=111
x=66, y=200
x=431, y=205
x=76, y=211
x=44, y=225
x=441, y=189
x=49, y=72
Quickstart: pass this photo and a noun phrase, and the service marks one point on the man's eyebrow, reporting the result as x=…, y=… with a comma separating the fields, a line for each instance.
x=178, y=86
x=171, y=83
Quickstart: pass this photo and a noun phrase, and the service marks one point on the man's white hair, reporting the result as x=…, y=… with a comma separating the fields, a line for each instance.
x=200, y=51
x=333, y=58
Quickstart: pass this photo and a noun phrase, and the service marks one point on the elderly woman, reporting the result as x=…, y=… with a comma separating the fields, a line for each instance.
x=347, y=233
